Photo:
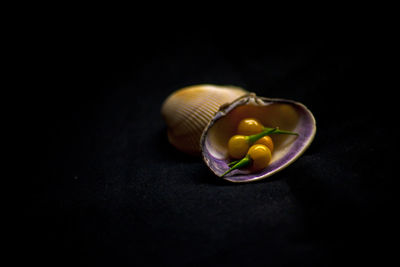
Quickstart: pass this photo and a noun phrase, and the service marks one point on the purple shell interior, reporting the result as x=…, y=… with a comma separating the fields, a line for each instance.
x=306, y=129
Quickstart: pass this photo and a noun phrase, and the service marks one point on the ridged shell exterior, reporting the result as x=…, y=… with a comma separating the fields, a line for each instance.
x=187, y=112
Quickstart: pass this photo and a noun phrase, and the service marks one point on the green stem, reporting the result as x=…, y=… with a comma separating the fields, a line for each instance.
x=242, y=163
x=230, y=164
x=253, y=138
x=280, y=131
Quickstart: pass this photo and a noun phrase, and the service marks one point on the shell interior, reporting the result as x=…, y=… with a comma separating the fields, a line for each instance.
x=285, y=114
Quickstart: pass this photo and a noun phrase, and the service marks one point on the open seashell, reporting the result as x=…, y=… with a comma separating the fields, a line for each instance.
x=285, y=114
x=188, y=111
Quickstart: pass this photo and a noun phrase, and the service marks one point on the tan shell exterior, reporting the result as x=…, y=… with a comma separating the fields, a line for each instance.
x=188, y=111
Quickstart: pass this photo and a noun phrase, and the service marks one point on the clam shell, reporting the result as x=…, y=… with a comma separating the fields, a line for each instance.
x=285, y=114
x=188, y=111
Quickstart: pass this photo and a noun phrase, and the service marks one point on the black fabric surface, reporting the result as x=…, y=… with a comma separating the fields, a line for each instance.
x=110, y=189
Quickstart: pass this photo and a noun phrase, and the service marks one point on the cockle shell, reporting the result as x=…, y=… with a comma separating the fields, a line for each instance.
x=187, y=112
x=285, y=114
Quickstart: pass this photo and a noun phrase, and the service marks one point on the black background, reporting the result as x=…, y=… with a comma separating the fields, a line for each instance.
x=106, y=187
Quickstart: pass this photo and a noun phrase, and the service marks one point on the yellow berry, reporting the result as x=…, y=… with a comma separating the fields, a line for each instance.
x=260, y=156
x=238, y=146
x=266, y=141
x=249, y=126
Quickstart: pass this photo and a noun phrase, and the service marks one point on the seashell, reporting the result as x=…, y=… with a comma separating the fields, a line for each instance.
x=188, y=111
x=285, y=114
